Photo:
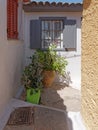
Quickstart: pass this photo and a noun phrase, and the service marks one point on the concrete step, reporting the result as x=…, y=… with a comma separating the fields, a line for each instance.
x=45, y=118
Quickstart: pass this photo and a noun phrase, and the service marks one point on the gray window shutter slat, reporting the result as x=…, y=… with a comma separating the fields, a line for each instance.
x=69, y=34
x=35, y=40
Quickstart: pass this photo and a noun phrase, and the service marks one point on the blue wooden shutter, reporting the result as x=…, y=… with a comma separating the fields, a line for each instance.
x=69, y=34
x=35, y=39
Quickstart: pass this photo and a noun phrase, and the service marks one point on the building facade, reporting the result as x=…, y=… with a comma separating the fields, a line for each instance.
x=57, y=23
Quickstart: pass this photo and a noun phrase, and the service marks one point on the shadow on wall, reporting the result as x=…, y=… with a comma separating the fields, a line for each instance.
x=86, y=3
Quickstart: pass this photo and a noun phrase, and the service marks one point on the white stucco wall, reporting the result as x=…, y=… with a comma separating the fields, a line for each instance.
x=11, y=60
x=74, y=58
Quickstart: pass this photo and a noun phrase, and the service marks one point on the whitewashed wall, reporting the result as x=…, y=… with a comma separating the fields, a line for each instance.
x=74, y=58
x=11, y=60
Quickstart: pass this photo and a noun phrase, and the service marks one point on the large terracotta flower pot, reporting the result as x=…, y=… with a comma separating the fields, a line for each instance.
x=48, y=78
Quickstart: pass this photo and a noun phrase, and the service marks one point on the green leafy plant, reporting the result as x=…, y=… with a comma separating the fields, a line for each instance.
x=50, y=60
x=42, y=60
x=32, y=77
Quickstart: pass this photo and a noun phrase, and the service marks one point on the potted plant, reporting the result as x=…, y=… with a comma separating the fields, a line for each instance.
x=52, y=63
x=32, y=80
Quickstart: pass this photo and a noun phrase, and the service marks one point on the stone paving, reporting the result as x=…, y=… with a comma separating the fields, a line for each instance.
x=61, y=96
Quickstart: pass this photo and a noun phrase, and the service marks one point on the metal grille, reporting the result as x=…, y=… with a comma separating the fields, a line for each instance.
x=52, y=32
x=21, y=116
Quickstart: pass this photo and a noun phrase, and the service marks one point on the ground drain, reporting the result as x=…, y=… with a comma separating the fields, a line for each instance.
x=21, y=116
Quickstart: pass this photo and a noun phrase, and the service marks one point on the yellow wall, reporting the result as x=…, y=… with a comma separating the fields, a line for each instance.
x=90, y=64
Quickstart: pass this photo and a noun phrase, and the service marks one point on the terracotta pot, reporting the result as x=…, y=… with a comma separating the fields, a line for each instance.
x=48, y=78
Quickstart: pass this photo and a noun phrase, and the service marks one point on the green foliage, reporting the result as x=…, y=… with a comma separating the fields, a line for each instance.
x=42, y=60
x=50, y=60
x=32, y=74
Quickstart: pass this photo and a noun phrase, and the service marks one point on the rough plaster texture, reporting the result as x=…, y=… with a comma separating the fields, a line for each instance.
x=11, y=55
x=90, y=64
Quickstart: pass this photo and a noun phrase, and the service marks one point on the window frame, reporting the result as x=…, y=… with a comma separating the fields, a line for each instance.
x=69, y=33
x=52, y=18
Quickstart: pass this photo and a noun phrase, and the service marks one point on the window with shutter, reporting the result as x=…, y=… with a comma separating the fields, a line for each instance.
x=12, y=19
x=52, y=32
x=56, y=30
